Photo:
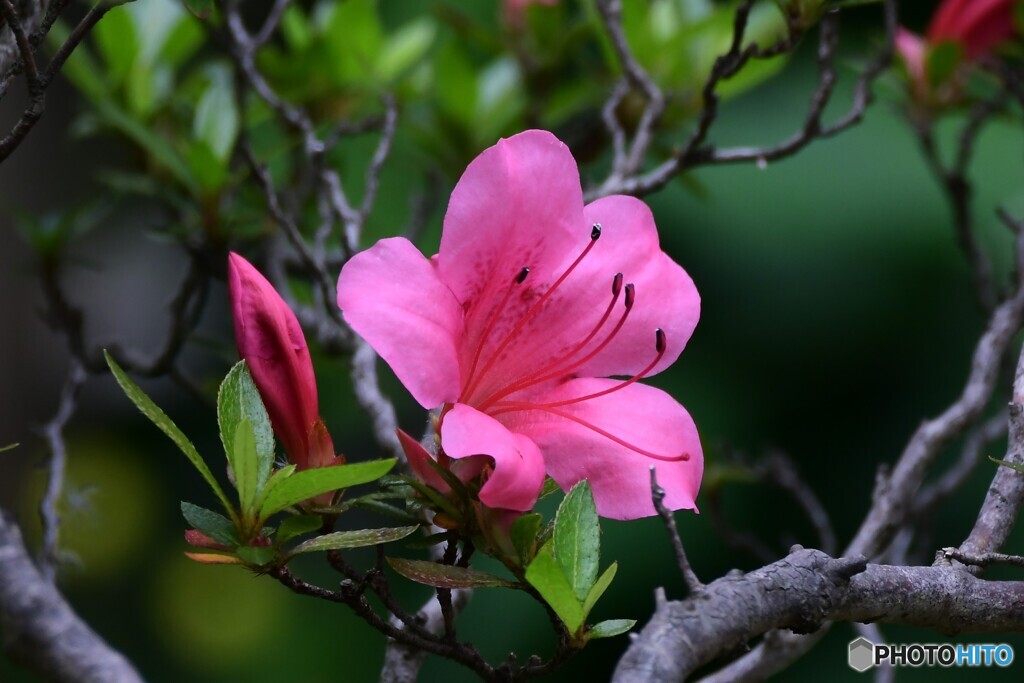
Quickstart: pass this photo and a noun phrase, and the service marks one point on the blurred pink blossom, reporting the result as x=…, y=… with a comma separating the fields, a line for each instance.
x=976, y=25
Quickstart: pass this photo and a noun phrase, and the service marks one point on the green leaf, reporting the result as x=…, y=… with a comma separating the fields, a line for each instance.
x=216, y=121
x=546, y=575
x=213, y=524
x=353, y=539
x=307, y=484
x=275, y=480
x=446, y=576
x=244, y=465
x=167, y=426
x=942, y=61
x=81, y=67
x=385, y=510
x=9, y=446
x=611, y=627
x=599, y=588
x=405, y=48
x=200, y=8
x=1012, y=465
x=118, y=42
x=160, y=149
x=238, y=400
x=256, y=555
x=524, y=536
x=296, y=526
x=577, y=540
x=296, y=29
x=550, y=486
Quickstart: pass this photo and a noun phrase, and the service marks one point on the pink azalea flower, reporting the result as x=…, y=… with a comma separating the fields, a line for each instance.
x=977, y=25
x=532, y=300
x=271, y=342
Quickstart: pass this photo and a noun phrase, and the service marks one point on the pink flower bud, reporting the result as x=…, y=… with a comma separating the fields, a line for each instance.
x=977, y=25
x=271, y=342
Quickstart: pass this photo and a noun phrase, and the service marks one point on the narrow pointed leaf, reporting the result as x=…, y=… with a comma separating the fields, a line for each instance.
x=213, y=524
x=577, y=540
x=446, y=576
x=611, y=627
x=237, y=400
x=599, y=588
x=244, y=465
x=1012, y=465
x=546, y=575
x=256, y=555
x=353, y=539
x=390, y=511
x=167, y=426
x=275, y=480
x=296, y=526
x=9, y=447
x=306, y=484
x=213, y=558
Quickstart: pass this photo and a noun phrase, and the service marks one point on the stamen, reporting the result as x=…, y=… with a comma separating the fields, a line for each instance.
x=495, y=314
x=529, y=379
x=682, y=457
x=659, y=345
x=561, y=372
x=472, y=385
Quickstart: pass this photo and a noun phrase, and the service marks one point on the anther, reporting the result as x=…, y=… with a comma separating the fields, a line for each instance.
x=522, y=275
x=617, y=284
x=630, y=295
x=659, y=340
x=595, y=232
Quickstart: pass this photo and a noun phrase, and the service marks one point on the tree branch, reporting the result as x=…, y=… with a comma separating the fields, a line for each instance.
x=803, y=591
x=40, y=630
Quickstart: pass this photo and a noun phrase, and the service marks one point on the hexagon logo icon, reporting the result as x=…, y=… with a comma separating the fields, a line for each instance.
x=862, y=655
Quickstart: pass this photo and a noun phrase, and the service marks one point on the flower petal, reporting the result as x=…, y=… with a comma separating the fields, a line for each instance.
x=517, y=204
x=666, y=297
x=391, y=296
x=518, y=471
x=620, y=477
x=270, y=340
x=417, y=457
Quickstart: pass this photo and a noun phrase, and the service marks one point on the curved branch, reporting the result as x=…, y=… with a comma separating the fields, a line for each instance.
x=803, y=591
x=41, y=631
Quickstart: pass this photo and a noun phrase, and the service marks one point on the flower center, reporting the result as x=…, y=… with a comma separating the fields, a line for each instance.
x=563, y=365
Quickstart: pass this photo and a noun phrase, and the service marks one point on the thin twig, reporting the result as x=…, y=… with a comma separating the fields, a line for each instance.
x=693, y=583
x=982, y=559
x=53, y=432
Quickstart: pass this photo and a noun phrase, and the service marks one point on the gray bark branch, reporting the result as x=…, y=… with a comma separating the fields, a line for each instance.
x=802, y=592
x=39, y=630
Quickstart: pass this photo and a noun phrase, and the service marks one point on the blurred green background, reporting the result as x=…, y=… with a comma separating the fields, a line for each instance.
x=837, y=314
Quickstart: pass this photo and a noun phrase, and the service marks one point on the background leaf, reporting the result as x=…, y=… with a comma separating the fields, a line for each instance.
x=354, y=539
x=446, y=576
